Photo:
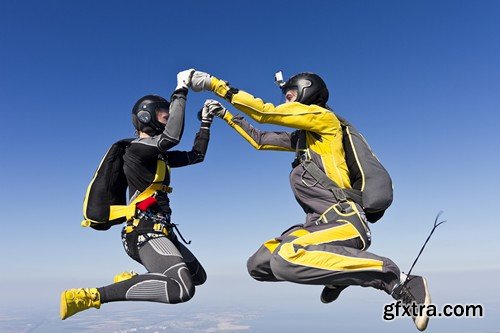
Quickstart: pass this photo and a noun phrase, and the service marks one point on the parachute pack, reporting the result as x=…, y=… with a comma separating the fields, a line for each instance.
x=105, y=202
x=370, y=181
x=107, y=188
x=366, y=173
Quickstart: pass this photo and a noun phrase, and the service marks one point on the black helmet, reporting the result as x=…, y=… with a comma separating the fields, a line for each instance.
x=311, y=89
x=144, y=114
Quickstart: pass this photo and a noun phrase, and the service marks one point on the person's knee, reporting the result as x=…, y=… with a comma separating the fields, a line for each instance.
x=189, y=292
x=251, y=267
x=258, y=268
x=185, y=287
x=183, y=297
x=257, y=274
x=199, y=279
x=198, y=274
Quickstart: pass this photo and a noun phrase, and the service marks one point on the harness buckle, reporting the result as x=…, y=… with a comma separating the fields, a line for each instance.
x=339, y=194
x=166, y=189
x=321, y=220
x=159, y=227
x=301, y=158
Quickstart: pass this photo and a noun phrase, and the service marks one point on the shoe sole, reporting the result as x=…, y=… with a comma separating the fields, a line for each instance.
x=422, y=321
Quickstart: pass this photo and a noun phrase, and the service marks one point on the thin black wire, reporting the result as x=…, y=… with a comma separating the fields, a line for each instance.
x=436, y=224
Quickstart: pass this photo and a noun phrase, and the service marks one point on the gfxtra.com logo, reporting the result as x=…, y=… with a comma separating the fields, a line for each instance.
x=399, y=309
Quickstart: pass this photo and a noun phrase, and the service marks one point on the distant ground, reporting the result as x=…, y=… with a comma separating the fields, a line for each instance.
x=247, y=306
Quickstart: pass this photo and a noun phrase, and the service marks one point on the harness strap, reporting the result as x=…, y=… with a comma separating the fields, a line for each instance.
x=143, y=228
x=340, y=194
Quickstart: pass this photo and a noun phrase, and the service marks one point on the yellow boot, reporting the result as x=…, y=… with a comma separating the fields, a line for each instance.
x=124, y=276
x=76, y=300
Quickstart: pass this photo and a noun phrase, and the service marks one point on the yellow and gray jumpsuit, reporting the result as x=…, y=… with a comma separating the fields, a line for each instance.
x=329, y=248
x=172, y=270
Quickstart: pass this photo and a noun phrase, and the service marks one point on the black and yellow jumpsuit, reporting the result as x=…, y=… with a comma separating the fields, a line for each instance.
x=329, y=248
x=172, y=270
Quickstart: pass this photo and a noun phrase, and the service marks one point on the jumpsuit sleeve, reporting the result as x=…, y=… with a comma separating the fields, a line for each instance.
x=178, y=158
x=261, y=140
x=174, y=128
x=296, y=115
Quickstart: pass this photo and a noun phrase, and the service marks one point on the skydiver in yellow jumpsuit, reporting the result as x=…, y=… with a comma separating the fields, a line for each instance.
x=330, y=247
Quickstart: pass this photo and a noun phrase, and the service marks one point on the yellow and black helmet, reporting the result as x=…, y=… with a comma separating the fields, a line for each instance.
x=144, y=114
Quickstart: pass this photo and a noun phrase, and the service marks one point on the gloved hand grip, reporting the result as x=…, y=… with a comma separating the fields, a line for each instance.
x=184, y=78
x=200, y=81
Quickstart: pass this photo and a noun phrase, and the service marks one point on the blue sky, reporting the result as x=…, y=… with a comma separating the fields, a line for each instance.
x=419, y=79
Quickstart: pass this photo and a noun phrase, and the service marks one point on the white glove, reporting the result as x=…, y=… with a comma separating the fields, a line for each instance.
x=210, y=109
x=200, y=81
x=184, y=78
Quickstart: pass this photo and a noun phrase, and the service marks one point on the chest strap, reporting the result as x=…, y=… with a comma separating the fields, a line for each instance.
x=340, y=194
